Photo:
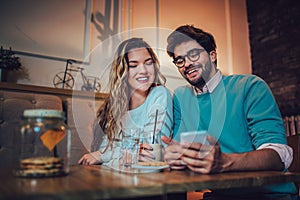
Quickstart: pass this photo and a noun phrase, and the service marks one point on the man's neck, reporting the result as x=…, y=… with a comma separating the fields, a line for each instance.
x=204, y=81
x=200, y=85
x=210, y=85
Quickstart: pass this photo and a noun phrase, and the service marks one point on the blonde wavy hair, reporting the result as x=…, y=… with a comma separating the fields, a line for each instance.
x=116, y=104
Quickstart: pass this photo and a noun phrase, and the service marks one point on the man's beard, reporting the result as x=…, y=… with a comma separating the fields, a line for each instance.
x=204, y=78
x=197, y=83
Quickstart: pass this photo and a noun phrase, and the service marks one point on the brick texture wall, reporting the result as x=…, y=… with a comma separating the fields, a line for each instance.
x=274, y=29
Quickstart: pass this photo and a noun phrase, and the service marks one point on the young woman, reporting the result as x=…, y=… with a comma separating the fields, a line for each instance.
x=137, y=93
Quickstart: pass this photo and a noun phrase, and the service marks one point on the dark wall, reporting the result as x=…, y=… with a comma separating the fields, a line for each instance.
x=275, y=49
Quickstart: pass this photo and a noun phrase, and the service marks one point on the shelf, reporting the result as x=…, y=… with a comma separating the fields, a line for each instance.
x=63, y=93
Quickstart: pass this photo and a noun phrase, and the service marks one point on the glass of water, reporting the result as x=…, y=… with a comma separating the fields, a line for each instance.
x=130, y=146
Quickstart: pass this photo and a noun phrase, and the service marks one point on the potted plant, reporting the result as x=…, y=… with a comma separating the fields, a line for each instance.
x=8, y=62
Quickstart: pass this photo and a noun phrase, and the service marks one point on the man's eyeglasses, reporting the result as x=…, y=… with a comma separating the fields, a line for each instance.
x=193, y=55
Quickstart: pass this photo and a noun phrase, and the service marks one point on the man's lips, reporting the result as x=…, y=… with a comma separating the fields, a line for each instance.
x=191, y=72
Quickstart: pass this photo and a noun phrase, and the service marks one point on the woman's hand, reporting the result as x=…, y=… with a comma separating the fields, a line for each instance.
x=145, y=154
x=90, y=158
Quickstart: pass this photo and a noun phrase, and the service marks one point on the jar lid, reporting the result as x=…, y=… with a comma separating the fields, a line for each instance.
x=43, y=113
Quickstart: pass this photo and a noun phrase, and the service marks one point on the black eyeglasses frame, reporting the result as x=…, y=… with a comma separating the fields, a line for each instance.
x=193, y=52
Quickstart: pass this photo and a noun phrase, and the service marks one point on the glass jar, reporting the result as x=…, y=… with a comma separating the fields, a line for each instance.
x=43, y=144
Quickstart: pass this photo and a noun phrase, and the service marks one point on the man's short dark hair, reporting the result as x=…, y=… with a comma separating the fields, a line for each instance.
x=189, y=32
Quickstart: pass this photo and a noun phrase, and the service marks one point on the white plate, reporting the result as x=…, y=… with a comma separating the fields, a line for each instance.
x=150, y=167
x=135, y=169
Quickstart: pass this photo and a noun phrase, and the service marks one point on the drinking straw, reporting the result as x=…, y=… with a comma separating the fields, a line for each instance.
x=153, y=138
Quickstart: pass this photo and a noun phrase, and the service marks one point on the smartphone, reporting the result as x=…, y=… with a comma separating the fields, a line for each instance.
x=194, y=136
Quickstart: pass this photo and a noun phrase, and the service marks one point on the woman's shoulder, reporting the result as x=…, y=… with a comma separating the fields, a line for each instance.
x=160, y=90
x=159, y=95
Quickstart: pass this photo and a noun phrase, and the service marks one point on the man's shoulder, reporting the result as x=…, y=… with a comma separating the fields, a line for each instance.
x=183, y=89
x=240, y=76
x=242, y=79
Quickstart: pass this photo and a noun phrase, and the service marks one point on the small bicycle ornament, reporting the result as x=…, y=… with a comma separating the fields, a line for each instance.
x=65, y=79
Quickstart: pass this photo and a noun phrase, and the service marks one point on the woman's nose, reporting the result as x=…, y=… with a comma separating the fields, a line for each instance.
x=142, y=68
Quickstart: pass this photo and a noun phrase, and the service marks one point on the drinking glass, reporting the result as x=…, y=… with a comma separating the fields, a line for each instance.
x=147, y=138
x=130, y=146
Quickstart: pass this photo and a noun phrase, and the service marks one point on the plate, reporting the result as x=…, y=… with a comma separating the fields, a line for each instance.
x=150, y=167
x=134, y=169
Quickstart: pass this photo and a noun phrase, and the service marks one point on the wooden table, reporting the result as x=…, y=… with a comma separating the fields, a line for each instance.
x=100, y=182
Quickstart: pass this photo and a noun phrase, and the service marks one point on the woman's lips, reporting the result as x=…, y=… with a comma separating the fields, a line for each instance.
x=143, y=79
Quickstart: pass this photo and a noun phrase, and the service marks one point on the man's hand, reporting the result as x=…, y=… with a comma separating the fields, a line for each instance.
x=204, y=159
x=172, y=154
x=166, y=140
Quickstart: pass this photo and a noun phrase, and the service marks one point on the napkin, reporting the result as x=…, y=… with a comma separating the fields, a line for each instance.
x=51, y=138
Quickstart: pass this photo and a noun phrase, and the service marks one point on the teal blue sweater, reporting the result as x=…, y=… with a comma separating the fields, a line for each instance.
x=241, y=113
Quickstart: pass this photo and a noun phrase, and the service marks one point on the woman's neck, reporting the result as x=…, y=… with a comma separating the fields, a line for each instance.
x=137, y=98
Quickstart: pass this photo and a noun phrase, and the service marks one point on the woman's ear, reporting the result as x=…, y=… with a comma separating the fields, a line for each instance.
x=213, y=55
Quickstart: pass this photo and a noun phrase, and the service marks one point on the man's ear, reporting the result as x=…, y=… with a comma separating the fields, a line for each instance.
x=213, y=55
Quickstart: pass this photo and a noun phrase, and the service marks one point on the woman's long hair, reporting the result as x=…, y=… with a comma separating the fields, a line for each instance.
x=116, y=104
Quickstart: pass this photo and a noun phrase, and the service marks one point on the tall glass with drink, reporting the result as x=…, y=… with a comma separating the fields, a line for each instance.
x=130, y=146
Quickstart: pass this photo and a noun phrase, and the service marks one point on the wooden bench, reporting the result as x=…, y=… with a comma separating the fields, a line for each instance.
x=294, y=142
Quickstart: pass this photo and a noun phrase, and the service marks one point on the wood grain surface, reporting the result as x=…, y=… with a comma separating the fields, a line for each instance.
x=100, y=182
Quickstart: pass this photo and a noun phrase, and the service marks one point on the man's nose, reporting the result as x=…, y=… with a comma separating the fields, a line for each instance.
x=188, y=63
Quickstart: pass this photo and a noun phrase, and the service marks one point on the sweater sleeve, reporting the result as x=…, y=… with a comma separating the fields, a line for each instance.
x=177, y=118
x=262, y=113
x=159, y=110
x=106, y=151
